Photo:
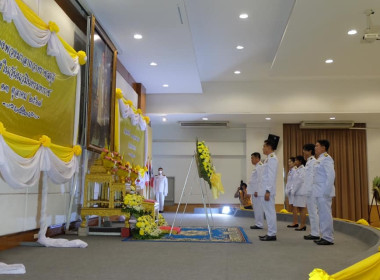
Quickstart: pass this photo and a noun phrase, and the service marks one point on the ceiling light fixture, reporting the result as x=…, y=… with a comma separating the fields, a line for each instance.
x=243, y=16
x=239, y=47
x=332, y=118
x=153, y=63
x=268, y=119
x=165, y=85
x=328, y=61
x=164, y=119
x=237, y=72
x=137, y=36
x=205, y=119
x=352, y=32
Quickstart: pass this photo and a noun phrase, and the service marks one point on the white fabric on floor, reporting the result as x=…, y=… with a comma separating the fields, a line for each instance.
x=12, y=268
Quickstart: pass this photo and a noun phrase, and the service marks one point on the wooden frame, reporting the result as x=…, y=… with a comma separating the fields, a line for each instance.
x=102, y=82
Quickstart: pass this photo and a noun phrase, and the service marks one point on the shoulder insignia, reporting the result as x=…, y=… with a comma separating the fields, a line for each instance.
x=326, y=154
x=260, y=163
x=271, y=155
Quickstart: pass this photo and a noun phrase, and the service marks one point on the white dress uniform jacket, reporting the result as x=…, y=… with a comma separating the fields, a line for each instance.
x=298, y=180
x=254, y=182
x=288, y=186
x=160, y=184
x=309, y=175
x=324, y=176
x=269, y=175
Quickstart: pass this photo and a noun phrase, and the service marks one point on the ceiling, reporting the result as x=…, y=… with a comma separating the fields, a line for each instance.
x=194, y=42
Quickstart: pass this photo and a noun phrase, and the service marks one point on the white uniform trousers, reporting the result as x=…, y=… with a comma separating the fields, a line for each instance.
x=311, y=204
x=258, y=210
x=161, y=200
x=270, y=214
x=325, y=218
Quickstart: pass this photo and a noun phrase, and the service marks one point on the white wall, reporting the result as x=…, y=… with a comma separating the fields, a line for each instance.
x=19, y=209
x=173, y=148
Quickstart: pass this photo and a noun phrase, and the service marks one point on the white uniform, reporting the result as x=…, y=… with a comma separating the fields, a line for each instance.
x=324, y=191
x=268, y=183
x=253, y=186
x=311, y=201
x=288, y=187
x=160, y=187
x=298, y=190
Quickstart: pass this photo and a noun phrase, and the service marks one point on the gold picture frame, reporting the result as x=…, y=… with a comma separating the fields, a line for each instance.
x=101, y=90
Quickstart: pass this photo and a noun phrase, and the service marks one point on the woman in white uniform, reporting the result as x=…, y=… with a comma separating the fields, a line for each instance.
x=288, y=190
x=298, y=191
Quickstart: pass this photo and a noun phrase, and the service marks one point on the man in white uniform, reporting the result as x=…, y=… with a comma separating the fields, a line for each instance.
x=160, y=187
x=324, y=191
x=253, y=189
x=267, y=190
x=311, y=202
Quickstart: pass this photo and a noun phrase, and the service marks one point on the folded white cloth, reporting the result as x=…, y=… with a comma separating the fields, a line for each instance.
x=12, y=268
x=60, y=242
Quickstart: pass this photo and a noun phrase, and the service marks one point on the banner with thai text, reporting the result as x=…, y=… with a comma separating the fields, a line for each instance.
x=132, y=142
x=35, y=98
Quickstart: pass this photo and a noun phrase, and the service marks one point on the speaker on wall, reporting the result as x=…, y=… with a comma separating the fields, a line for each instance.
x=274, y=139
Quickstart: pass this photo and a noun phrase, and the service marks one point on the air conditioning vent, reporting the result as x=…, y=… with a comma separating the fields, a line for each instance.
x=326, y=124
x=204, y=124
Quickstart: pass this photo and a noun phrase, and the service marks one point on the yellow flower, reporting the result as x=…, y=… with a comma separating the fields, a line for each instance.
x=362, y=222
x=138, y=111
x=82, y=57
x=128, y=102
x=45, y=141
x=141, y=232
x=77, y=150
x=2, y=128
x=53, y=27
x=119, y=93
x=146, y=119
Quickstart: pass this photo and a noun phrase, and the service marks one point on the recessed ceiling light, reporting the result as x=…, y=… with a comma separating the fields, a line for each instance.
x=268, y=119
x=332, y=118
x=164, y=119
x=243, y=16
x=237, y=72
x=165, y=85
x=137, y=36
x=153, y=63
x=239, y=47
x=205, y=119
x=352, y=32
x=328, y=61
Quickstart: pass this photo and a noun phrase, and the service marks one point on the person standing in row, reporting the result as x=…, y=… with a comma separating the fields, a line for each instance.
x=311, y=202
x=160, y=187
x=324, y=191
x=267, y=190
x=253, y=189
x=288, y=190
x=298, y=192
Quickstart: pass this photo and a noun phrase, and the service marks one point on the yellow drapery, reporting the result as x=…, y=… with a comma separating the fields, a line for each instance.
x=27, y=148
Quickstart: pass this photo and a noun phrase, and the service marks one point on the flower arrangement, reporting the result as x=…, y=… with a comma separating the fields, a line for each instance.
x=133, y=204
x=146, y=228
x=161, y=220
x=206, y=169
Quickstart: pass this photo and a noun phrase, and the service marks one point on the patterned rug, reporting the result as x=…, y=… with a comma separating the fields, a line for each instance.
x=200, y=234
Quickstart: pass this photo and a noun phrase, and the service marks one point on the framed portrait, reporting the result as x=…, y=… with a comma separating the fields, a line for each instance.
x=102, y=80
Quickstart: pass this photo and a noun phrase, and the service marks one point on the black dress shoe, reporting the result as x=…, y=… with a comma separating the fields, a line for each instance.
x=269, y=238
x=255, y=227
x=323, y=242
x=292, y=226
x=311, y=237
x=300, y=229
x=262, y=236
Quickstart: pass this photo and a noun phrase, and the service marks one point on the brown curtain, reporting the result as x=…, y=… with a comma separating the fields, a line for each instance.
x=348, y=148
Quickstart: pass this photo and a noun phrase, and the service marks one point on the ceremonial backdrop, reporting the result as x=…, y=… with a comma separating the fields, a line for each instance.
x=35, y=98
x=132, y=142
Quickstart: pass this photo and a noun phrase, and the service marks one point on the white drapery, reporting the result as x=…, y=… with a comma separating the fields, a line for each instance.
x=37, y=37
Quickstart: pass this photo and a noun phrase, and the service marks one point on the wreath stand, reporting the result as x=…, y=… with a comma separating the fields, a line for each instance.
x=370, y=209
x=204, y=194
